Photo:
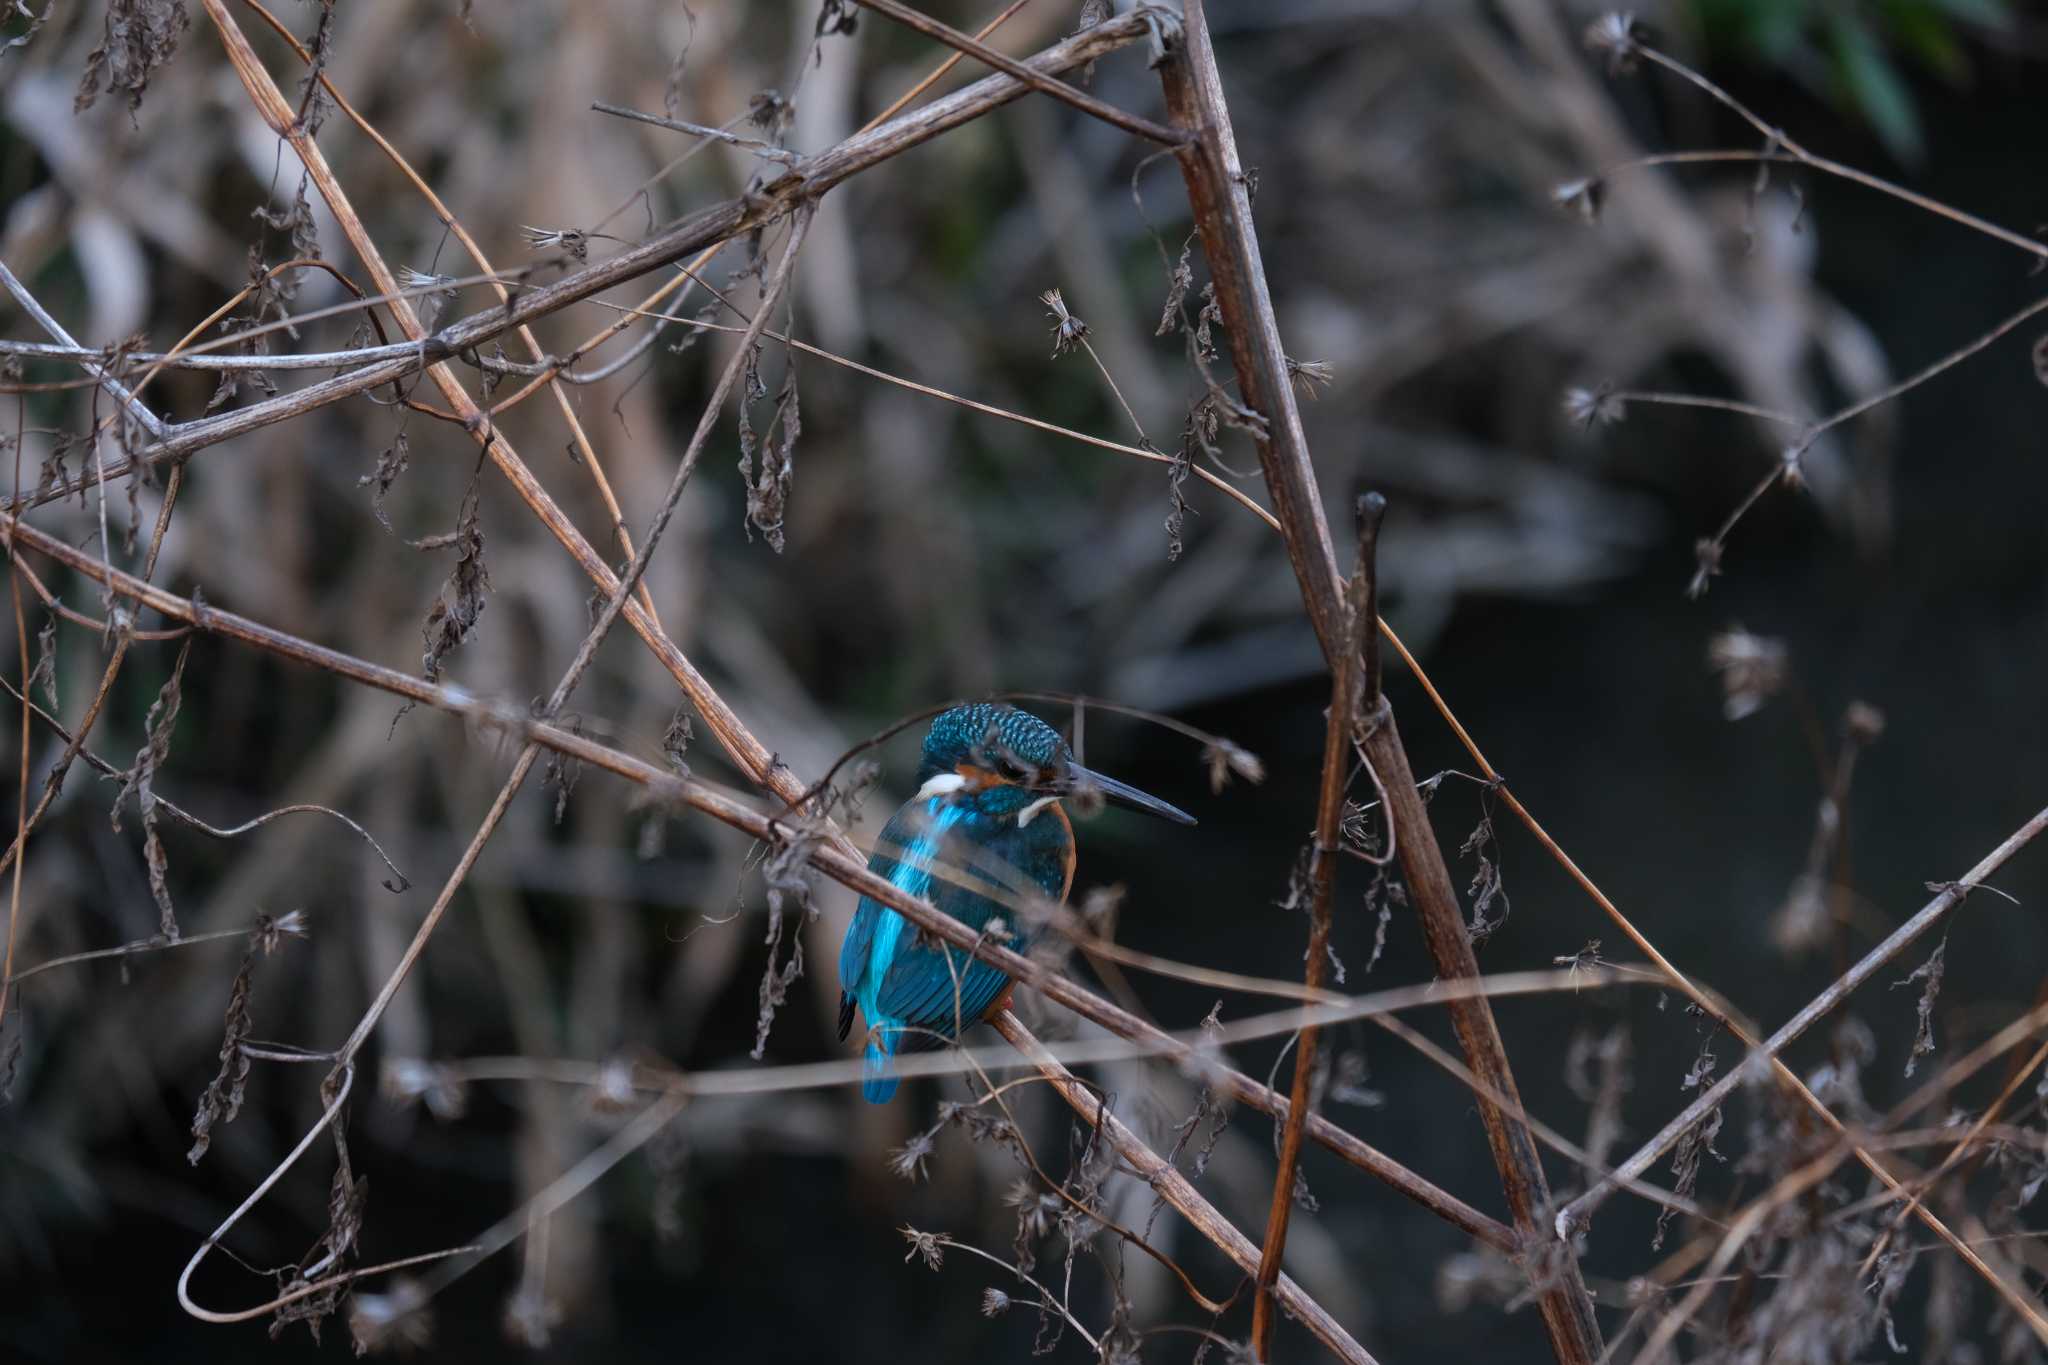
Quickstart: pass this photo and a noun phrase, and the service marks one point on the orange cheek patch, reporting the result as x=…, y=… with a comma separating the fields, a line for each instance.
x=978, y=779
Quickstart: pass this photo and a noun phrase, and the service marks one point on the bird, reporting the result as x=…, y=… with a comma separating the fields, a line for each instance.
x=985, y=834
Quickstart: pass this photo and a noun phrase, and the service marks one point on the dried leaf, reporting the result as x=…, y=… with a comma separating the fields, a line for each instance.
x=296, y=220
x=222, y=1098
x=1929, y=974
x=675, y=742
x=140, y=778
x=395, y=460
x=1177, y=508
x=561, y=770
x=1224, y=758
x=768, y=493
x=1212, y=312
x=45, y=670
x=140, y=37
x=1486, y=886
x=787, y=873
x=1178, y=281
x=449, y=624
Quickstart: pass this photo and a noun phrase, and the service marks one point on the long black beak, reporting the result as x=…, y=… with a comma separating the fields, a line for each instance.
x=1080, y=778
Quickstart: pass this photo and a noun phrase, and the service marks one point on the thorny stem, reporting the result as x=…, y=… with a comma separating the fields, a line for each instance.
x=1347, y=699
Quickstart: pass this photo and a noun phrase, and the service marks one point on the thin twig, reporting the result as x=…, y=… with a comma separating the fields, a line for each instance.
x=753, y=144
x=1348, y=700
x=1953, y=894
x=1037, y=80
x=1179, y=1191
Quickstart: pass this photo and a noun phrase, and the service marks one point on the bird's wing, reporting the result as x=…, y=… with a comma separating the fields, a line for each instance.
x=920, y=988
x=896, y=837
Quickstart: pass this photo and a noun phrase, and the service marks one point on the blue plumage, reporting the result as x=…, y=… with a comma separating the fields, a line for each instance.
x=984, y=837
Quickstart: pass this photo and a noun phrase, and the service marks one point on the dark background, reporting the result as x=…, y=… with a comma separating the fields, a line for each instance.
x=1539, y=571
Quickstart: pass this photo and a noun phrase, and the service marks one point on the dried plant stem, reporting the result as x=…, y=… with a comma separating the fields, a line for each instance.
x=584, y=448
x=1178, y=1190
x=842, y=864
x=1574, y=1214
x=1694, y=400
x=1896, y=942
x=1193, y=1049
x=1215, y=481
x=1963, y=1146
x=1222, y=210
x=1567, y=1308
x=344, y=1061
x=938, y=73
x=149, y=421
x=707, y=227
x=1037, y=80
x=1349, y=699
x=1777, y=138
x=1710, y=1005
x=15, y=568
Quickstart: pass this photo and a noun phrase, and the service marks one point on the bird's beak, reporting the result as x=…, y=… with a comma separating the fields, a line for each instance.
x=1080, y=779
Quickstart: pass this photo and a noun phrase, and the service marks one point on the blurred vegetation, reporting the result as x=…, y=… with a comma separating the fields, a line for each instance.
x=1407, y=160
x=1857, y=53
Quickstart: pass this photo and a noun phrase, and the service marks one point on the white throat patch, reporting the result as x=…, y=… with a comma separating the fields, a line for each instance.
x=941, y=784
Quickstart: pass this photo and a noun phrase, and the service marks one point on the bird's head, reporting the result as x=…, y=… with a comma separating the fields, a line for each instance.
x=1000, y=756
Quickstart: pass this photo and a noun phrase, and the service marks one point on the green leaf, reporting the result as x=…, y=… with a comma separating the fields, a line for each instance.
x=1874, y=86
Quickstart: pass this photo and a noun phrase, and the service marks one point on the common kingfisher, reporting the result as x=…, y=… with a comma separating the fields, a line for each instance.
x=985, y=833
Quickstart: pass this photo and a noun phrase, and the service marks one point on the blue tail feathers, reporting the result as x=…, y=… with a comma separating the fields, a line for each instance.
x=878, y=1079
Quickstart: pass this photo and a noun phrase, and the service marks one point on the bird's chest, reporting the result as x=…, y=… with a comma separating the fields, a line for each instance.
x=976, y=863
